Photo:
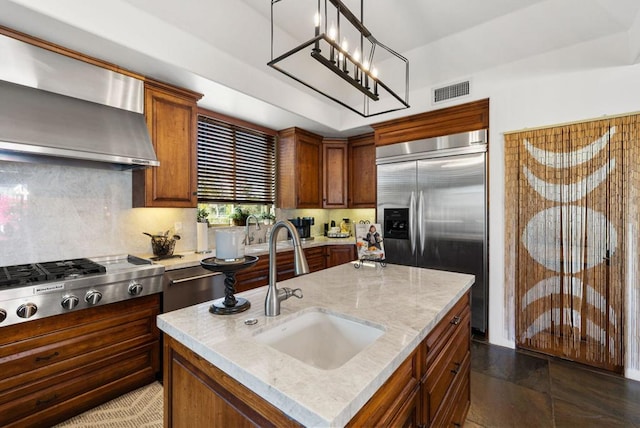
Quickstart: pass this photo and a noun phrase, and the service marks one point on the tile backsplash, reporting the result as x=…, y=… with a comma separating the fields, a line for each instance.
x=52, y=212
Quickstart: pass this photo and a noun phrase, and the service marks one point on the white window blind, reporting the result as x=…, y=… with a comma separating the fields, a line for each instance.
x=235, y=164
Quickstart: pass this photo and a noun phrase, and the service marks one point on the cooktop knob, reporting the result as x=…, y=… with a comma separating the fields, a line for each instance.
x=3, y=315
x=27, y=310
x=135, y=288
x=93, y=297
x=69, y=301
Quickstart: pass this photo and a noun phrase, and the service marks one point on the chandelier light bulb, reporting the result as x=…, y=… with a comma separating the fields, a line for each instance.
x=356, y=55
x=374, y=73
x=332, y=32
x=345, y=45
x=365, y=65
x=316, y=19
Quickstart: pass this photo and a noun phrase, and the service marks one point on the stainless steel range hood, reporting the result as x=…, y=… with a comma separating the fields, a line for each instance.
x=56, y=109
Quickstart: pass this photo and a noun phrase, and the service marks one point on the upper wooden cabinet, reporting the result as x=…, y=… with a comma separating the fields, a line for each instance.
x=171, y=116
x=362, y=172
x=334, y=177
x=299, y=169
x=447, y=121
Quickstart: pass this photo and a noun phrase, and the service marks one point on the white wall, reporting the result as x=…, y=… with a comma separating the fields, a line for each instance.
x=524, y=95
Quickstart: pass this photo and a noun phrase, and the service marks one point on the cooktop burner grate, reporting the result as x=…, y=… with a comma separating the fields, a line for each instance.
x=19, y=275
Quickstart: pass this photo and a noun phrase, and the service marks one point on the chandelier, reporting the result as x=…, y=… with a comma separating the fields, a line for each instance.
x=358, y=72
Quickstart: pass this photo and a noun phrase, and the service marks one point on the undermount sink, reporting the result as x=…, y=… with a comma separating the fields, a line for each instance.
x=319, y=338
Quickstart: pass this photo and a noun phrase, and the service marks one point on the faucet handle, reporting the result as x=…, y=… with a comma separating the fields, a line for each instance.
x=292, y=292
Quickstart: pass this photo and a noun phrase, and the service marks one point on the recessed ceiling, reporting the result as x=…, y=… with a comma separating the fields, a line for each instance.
x=221, y=47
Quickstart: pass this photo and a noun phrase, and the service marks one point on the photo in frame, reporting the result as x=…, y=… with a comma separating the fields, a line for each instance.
x=369, y=241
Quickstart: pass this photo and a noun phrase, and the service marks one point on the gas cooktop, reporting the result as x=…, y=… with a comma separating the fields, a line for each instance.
x=34, y=273
x=36, y=290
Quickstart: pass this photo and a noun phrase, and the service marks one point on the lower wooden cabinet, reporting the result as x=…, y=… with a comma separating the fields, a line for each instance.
x=318, y=258
x=429, y=389
x=198, y=394
x=54, y=368
x=340, y=254
x=445, y=384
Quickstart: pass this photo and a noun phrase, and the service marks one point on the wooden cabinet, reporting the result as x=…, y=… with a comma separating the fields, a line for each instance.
x=445, y=385
x=397, y=402
x=329, y=173
x=54, y=368
x=258, y=274
x=340, y=254
x=334, y=177
x=430, y=388
x=362, y=172
x=198, y=394
x=299, y=169
x=447, y=121
x=171, y=116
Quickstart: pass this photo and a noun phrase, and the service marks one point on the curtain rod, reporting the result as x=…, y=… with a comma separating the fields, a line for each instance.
x=575, y=122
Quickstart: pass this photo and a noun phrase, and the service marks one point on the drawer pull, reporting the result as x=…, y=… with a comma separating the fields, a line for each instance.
x=191, y=278
x=455, y=320
x=43, y=402
x=457, y=424
x=457, y=369
x=47, y=358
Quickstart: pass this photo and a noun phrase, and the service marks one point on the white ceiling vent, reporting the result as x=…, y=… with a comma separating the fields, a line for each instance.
x=451, y=91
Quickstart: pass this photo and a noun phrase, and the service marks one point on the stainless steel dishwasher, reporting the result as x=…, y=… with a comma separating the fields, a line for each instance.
x=190, y=286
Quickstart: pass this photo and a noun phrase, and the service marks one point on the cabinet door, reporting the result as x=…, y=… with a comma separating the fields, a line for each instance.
x=334, y=177
x=299, y=169
x=362, y=172
x=172, y=123
x=340, y=254
x=309, y=172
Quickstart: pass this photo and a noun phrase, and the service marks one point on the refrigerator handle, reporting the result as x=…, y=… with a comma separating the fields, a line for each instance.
x=421, y=222
x=412, y=222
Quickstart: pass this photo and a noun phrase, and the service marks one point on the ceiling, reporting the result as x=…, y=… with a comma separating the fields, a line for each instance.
x=221, y=47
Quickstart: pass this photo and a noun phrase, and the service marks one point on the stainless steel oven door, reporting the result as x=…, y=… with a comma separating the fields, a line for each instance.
x=190, y=286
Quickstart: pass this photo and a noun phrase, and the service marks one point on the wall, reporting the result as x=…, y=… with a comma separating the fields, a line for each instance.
x=524, y=96
x=50, y=212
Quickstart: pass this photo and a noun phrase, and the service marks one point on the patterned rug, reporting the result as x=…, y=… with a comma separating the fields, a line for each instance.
x=141, y=408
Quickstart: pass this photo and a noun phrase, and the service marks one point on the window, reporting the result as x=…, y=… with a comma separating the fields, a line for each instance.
x=236, y=166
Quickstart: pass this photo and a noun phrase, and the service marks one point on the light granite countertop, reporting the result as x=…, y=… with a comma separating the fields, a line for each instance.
x=190, y=259
x=407, y=301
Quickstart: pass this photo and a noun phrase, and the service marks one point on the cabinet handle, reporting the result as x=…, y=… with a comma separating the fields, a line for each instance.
x=47, y=358
x=191, y=278
x=455, y=320
x=457, y=424
x=47, y=401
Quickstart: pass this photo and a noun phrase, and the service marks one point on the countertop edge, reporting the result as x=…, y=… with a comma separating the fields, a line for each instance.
x=193, y=259
x=289, y=405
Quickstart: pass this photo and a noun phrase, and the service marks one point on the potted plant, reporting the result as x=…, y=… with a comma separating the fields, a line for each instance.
x=268, y=218
x=239, y=217
x=202, y=216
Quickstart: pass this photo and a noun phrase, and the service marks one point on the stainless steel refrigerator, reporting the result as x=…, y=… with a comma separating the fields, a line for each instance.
x=432, y=206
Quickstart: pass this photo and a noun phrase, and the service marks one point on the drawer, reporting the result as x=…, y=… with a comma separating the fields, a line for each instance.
x=440, y=335
x=41, y=356
x=393, y=398
x=88, y=379
x=315, y=258
x=447, y=368
x=457, y=401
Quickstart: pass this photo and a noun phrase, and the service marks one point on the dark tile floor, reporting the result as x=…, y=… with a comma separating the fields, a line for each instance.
x=518, y=389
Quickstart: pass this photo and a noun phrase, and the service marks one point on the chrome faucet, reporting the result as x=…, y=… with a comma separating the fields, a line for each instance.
x=275, y=296
x=247, y=239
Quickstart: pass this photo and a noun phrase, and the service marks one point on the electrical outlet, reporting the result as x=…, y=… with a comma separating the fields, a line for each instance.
x=177, y=226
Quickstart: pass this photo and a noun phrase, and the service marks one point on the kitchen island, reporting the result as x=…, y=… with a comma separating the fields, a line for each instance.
x=215, y=367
